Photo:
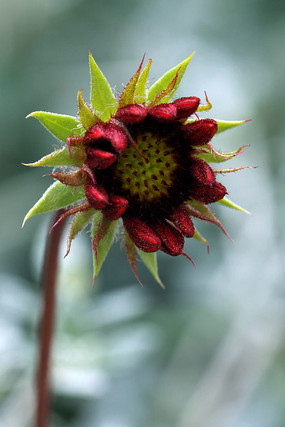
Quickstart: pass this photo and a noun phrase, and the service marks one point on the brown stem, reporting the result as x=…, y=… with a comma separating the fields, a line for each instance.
x=47, y=321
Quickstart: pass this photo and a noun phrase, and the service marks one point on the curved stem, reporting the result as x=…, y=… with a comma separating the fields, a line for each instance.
x=47, y=321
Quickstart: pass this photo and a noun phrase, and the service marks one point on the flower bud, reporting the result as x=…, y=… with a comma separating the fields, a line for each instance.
x=141, y=234
x=163, y=112
x=117, y=137
x=99, y=159
x=208, y=194
x=200, y=132
x=201, y=172
x=96, y=195
x=181, y=219
x=186, y=106
x=134, y=113
x=117, y=207
x=94, y=134
x=172, y=241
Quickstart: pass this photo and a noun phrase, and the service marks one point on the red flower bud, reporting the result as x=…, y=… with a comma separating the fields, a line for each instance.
x=186, y=106
x=141, y=234
x=117, y=137
x=130, y=114
x=117, y=208
x=201, y=172
x=200, y=132
x=208, y=194
x=96, y=195
x=94, y=134
x=99, y=159
x=181, y=219
x=172, y=241
x=163, y=112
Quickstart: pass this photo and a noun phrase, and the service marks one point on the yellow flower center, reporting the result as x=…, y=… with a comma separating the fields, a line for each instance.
x=149, y=175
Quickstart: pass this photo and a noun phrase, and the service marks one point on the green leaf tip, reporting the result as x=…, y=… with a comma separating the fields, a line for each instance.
x=102, y=98
x=103, y=233
x=224, y=125
x=127, y=96
x=57, y=196
x=59, y=125
x=150, y=261
x=61, y=157
x=161, y=84
x=85, y=114
x=228, y=203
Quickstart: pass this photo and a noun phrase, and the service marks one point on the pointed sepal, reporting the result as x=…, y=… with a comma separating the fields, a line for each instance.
x=140, y=90
x=80, y=221
x=85, y=114
x=102, y=98
x=75, y=179
x=61, y=157
x=224, y=125
x=210, y=155
x=203, y=212
x=59, y=125
x=161, y=84
x=131, y=254
x=198, y=236
x=57, y=196
x=127, y=96
x=229, y=204
x=150, y=261
x=103, y=233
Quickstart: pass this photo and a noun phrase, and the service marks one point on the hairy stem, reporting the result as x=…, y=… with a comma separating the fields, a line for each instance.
x=47, y=321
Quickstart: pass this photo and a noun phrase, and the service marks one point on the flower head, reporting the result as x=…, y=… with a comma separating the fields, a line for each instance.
x=141, y=161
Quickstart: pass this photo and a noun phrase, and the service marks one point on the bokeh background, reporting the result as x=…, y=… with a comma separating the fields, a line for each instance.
x=208, y=350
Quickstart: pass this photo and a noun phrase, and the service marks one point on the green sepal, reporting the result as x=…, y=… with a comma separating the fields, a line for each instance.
x=85, y=115
x=59, y=125
x=80, y=220
x=102, y=98
x=127, y=96
x=203, y=212
x=226, y=125
x=228, y=203
x=161, y=84
x=140, y=90
x=57, y=196
x=103, y=233
x=210, y=155
x=61, y=157
x=131, y=250
x=150, y=261
x=198, y=236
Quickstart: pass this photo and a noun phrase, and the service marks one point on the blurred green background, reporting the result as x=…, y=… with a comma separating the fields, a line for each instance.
x=209, y=350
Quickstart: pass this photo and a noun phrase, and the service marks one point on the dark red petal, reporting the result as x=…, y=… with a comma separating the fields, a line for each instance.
x=117, y=207
x=181, y=219
x=200, y=132
x=96, y=195
x=94, y=134
x=99, y=159
x=130, y=114
x=163, y=112
x=141, y=234
x=117, y=137
x=208, y=194
x=172, y=241
x=186, y=106
x=201, y=172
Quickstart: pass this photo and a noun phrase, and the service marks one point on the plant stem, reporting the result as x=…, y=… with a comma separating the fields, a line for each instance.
x=47, y=321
